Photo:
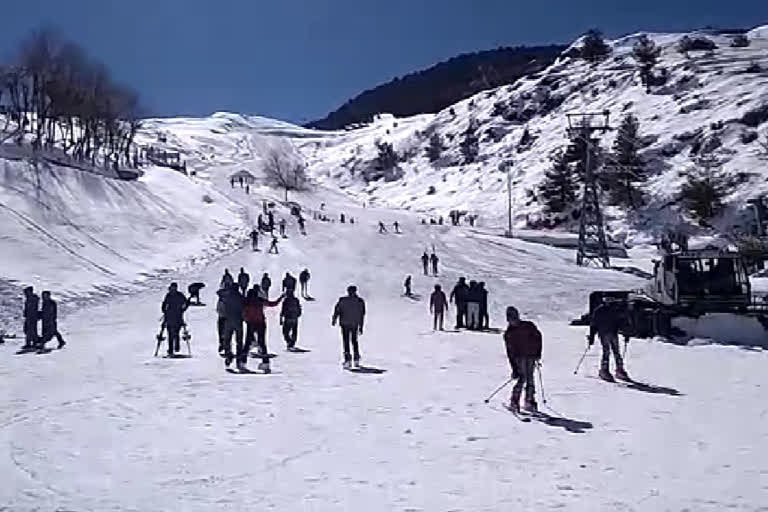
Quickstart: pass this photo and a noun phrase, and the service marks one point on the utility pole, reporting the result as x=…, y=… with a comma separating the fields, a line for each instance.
x=593, y=247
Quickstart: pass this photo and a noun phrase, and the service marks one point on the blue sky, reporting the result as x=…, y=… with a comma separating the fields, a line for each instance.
x=299, y=59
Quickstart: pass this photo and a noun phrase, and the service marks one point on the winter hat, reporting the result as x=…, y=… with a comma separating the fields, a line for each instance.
x=352, y=289
x=513, y=314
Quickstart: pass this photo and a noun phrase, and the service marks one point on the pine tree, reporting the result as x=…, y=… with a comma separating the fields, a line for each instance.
x=386, y=158
x=470, y=144
x=623, y=182
x=558, y=190
x=435, y=147
x=704, y=192
x=594, y=48
x=646, y=53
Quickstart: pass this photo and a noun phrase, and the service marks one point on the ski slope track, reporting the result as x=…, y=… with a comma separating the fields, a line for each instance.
x=103, y=426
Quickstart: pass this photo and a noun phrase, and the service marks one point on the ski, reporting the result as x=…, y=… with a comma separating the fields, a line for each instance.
x=517, y=414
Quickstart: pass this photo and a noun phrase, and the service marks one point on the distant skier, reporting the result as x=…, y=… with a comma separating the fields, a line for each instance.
x=194, y=293
x=261, y=225
x=459, y=296
x=256, y=324
x=247, y=188
x=273, y=246
x=243, y=279
x=289, y=319
x=31, y=317
x=473, y=306
x=342, y=218
x=226, y=280
x=438, y=305
x=396, y=227
x=255, y=240
x=350, y=313
x=425, y=263
x=49, y=317
x=289, y=283
x=302, y=226
x=434, y=260
x=351, y=220
x=440, y=220
x=607, y=320
x=484, y=318
x=382, y=228
x=174, y=305
x=407, y=285
x=232, y=182
x=523, y=343
x=282, y=225
x=304, y=283
x=266, y=284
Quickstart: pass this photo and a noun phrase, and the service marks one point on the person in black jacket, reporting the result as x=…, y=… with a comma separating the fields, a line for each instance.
x=484, y=317
x=522, y=340
x=425, y=263
x=289, y=283
x=434, y=260
x=243, y=279
x=459, y=296
x=194, y=293
x=607, y=320
x=49, y=317
x=289, y=319
x=304, y=282
x=31, y=317
x=473, y=306
x=350, y=313
x=174, y=305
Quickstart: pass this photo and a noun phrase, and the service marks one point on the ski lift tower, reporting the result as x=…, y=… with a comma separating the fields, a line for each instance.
x=593, y=248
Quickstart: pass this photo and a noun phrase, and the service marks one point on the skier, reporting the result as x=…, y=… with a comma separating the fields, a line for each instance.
x=382, y=228
x=438, y=305
x=232, y=182
x=523, y=343
x=407, y=285
x=351, y=220
x=174, y=305
x=304, y=283
x=484, y=318
x=342, y=218
x=459, y=296
x=232, y=307
x=273, y=246
x=282, y=225
x=473, y=306
x=396, y=226
x=266, y=284
x=256, y=323
x=255, y=239
x=350, y=313
x=425, y=263
x=289, y=319
x=434, y=260
x=49, y=317
x=194, y=292
x=607, y=320
x=302, y=228
x=247, y=188
x=242, y=280
x=226, y=280
x=289, y=283
x=31, y=316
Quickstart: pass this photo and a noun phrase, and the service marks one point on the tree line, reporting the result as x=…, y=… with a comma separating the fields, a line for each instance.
x=54, y=95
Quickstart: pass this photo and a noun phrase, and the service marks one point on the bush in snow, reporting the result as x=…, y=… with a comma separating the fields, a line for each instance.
x=703, y=193
x=435, y=148
x=740, y=41
x=691, y=44
x=756, y=116
x=594, y=48
x=646, y=53
x=558, y=189
x=470, y=144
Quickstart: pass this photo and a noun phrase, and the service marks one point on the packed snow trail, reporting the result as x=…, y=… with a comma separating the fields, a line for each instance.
x=102, y=425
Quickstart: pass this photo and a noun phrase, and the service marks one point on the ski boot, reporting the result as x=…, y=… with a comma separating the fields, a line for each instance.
x=514, y=406
x=622, y=374
x=347, y=364
x=531, y=406
x=61, y=344
x=356, y=362
x=241, y=367
x=605, y=374
x=228, y=357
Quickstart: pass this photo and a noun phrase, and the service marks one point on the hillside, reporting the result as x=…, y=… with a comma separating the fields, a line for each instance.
x=439, y=86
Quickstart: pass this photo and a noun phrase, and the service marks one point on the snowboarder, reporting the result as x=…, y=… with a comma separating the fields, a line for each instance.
x=425, y=263
x=243, y=279
x=226, y=280
x=382, y=228
x=484, y=318
x=396, y=227
x=255, y=239
x=31, y=316
x=407, y=285
x=438, y=305
x=282, y=225
x=350, y=313
x=304, y=283
x=256, y=323
x=273, y=246
x=289, y=319
x=607, y=320
x=49, y=317
x=523, y=343
x=174, y=305
x=194, y=292
x=473, y=306
x=459, y=296
x=266, y=284
x=289, y=282
x=434, y=260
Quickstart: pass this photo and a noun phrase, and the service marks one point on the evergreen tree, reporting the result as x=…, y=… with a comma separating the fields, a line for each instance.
x=435, y=147
x=594, y=48
x=387, y=157
x=558, y=190
x=470, y=144
x=623, y=182
x=703, y=193
x=646, y=53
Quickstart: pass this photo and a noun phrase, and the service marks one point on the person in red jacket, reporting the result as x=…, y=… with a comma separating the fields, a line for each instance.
x=523, y=343
x=256, y=323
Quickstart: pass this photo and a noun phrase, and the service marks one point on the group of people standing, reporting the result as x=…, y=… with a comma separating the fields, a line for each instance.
x=46, y=314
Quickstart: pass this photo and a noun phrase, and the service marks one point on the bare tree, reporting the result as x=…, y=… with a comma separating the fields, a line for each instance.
x=285, y=169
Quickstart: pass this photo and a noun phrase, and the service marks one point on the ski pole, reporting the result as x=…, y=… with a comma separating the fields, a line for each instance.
x=581, y=360
x=498, y=389
x=541, y=384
